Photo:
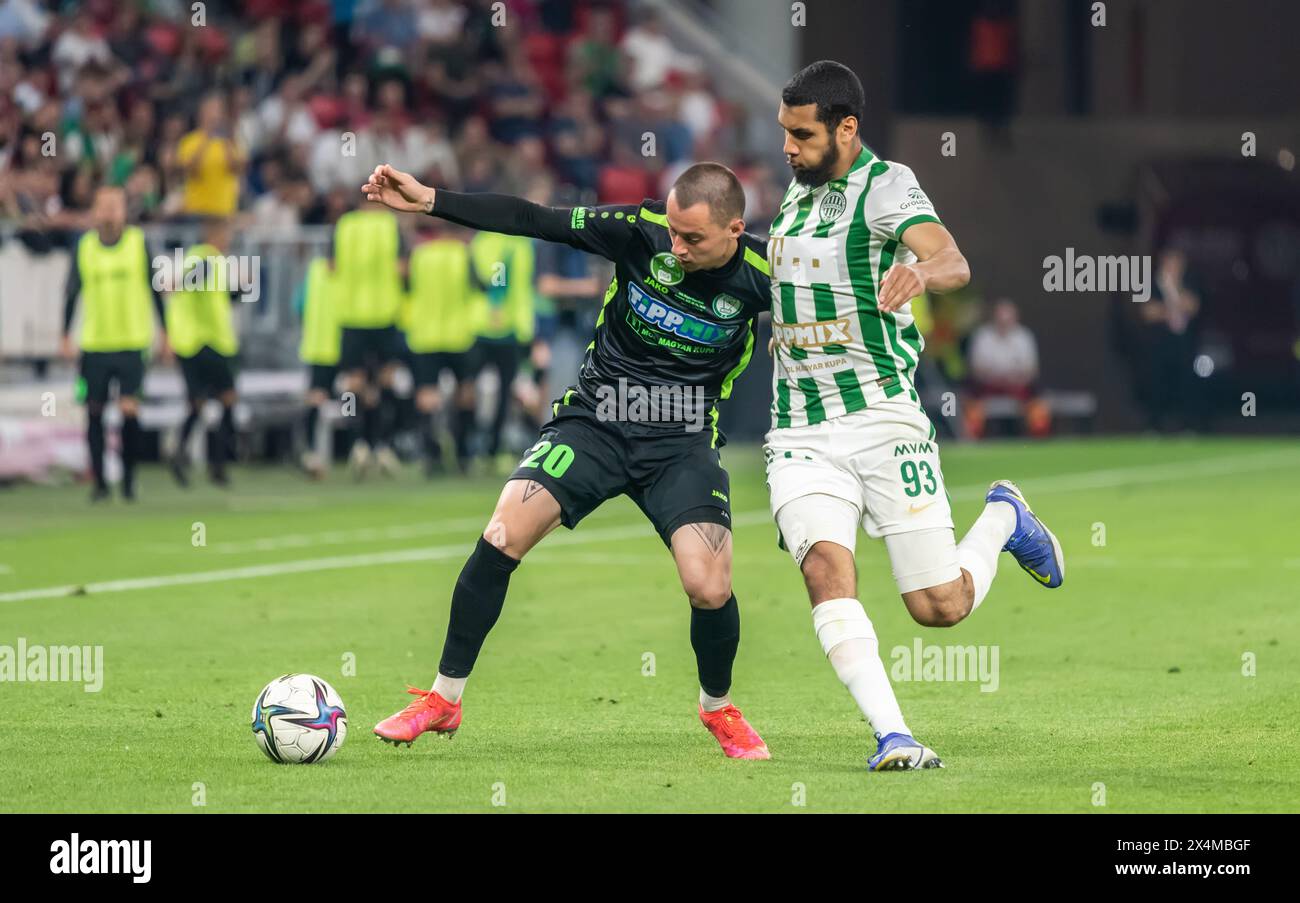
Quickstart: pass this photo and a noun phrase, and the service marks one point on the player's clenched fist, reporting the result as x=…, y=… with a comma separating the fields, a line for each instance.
x=399, y=190
x=901, y=284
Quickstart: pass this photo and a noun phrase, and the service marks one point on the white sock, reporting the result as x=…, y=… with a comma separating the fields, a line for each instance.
x=850, y=644
x=978, y=551
x=449, y=688
x=713, y=703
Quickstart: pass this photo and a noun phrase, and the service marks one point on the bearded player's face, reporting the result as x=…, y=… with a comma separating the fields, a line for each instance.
x=810, y=147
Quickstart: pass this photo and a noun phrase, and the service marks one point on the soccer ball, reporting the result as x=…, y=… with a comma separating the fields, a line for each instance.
x=299, y=719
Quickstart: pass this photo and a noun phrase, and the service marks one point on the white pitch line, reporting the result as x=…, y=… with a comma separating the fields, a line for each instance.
x=1177, y=564
x=328, y=537
x=334, y=537
x=1096, y=479
x=306, y=565
x=1060, y=483
x=1111, y=477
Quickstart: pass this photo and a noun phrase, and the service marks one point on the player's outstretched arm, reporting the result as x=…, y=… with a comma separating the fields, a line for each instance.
x=500, y=212
x=940, y=267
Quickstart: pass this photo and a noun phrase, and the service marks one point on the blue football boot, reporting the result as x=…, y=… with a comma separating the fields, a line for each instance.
x=1031, y=544
x=899, y=752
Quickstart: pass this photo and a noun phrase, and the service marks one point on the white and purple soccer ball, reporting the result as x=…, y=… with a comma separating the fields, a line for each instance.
x=299, y=719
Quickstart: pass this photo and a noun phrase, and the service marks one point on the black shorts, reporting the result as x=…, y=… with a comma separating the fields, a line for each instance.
x=428, y=366
x=503, y=354
x=99, y=368
x=370, y=349
x=675, y=478
x=323, y=377
x=207, y=373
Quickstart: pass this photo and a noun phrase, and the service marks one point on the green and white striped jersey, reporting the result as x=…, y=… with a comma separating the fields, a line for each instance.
x=829, y=248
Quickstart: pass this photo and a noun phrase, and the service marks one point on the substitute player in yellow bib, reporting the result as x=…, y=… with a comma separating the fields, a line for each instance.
x=855, y=239
x=368, y=263
x=319, y=350
x=202, y=331
x=440, y=321
x=111, y=274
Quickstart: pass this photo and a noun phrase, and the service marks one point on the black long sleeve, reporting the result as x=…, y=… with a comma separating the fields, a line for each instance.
x=157, y=295
x=600, y=230
x=70, y=294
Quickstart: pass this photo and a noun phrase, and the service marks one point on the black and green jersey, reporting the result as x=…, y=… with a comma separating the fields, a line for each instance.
x=660, y=326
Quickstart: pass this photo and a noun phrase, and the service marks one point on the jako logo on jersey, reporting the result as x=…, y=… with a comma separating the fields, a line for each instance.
x=669, y=319
x=833, y=204
x=725, y=305
x=811, y=335
x=666, y=268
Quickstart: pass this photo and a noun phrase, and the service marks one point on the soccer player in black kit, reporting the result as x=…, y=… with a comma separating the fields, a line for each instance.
x=676, y=329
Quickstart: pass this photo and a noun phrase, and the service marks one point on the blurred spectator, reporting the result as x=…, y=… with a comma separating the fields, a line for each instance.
x=388, y=23
x=595, y=62
x=78, y=46
x=439, y=23
x=279, y=109
x=1169, y=345
x=651, y=52
x=659, y=114
x=515, y=100
x=570, y=285
x=762, y=196
x=277, y=205
x=577, y=140
x=96, y=137
x=697, y=105
x=625, y=180
x=23, y=20
x=1003, y=359
x=211, y=161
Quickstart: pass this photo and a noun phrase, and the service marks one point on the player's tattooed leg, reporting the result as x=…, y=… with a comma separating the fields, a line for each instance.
x=515, y=527
x=714, y=536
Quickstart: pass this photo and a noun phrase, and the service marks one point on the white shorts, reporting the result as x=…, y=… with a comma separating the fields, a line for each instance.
x=878, y=468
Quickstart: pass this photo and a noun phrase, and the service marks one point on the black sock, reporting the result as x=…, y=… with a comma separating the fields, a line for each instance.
x=387, y=424
x=476, y=604
x=432, y=447
x=370, y=424
x=130, y=449
x=95, y=439
x=462, y=431
x=309, y=422
x=226, y=437
x=715, y=637
x=186, y=428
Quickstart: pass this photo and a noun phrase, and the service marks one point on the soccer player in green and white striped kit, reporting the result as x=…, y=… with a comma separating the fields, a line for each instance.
x=855, y=239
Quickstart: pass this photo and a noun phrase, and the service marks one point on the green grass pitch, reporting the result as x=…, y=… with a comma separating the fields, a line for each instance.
x=1161, y=677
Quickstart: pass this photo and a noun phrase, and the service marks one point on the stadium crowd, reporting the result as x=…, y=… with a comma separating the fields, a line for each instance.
x=271, y=113
x=309, y=94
